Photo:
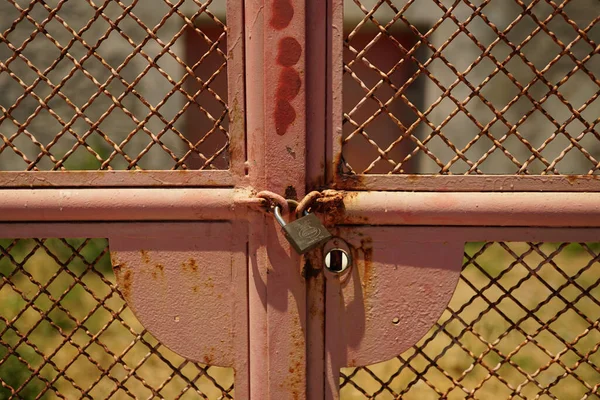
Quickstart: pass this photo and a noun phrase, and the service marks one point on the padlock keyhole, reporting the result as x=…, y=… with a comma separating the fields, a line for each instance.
x=337, y=260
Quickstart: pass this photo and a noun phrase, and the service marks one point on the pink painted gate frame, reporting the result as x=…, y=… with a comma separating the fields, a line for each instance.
x=287, y=327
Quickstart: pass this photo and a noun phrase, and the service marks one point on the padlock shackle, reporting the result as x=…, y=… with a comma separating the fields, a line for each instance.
x=278, y=217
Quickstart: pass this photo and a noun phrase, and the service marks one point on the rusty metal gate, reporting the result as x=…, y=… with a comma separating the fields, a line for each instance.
x=450, y=146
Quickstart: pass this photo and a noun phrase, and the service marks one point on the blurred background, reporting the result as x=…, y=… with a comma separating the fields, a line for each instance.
x=460, y=99
x=113, y=85
x=494, y=87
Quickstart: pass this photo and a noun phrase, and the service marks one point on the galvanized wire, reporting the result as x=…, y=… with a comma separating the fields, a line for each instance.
x=66, y=332
x=465, y=87
x=523, y=323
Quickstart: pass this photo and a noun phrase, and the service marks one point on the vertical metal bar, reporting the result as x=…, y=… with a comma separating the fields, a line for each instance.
x=316, y=122
x=276, y=109
x=335, y=56
x=235, y=86
x=335, y=35
x=257, y=274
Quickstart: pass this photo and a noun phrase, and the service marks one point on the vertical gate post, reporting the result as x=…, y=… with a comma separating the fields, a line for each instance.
x=317, y=117
x=276, y=129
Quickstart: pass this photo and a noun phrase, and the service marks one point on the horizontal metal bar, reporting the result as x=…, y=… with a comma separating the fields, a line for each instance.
x=58, y=179
x=123, y=204
x=471, y=183
x=373, y=208
x=471, y=209
x=153, y=229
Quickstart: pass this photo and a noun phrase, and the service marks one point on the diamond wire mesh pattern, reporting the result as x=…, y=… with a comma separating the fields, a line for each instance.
x=101, y=85
x=471, y=87
x=522, y=324
x=66, y=332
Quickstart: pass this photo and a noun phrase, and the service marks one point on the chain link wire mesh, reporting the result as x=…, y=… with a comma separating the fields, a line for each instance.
x=522, y=324
x=101, y=85
x=471, y=87
x=66, y=332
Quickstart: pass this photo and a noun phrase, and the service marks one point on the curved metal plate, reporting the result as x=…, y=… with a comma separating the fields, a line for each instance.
x=400, y=283
x=186, y=283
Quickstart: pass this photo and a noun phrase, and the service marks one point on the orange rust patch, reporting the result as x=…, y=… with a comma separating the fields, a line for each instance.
x=572, y=179
x=158, y=269
x=127, y=278
x=209, y=283
x=346, y=179
x=367, y=249
x=145, y=256
x=351, y=181
x=331, y=205
x=190, y=265
x=293, y=381
x=209, y=358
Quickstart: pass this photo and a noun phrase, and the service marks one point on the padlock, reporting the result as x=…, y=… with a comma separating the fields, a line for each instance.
x=305, y=233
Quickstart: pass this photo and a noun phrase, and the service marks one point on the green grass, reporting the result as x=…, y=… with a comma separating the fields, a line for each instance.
x=505, y=340
x=75, y=360
x=474, y=342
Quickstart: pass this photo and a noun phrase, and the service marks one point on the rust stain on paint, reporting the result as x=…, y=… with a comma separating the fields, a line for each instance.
x=331, y=206
x=209, y=283
x=158, y=270
x=290, y=193
x=366, y=245
x=345, y=178
x=145, y=256
x=190, y=265
x=126, y=283
x=289, y=52
x=281, y=14
x=294, y=382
